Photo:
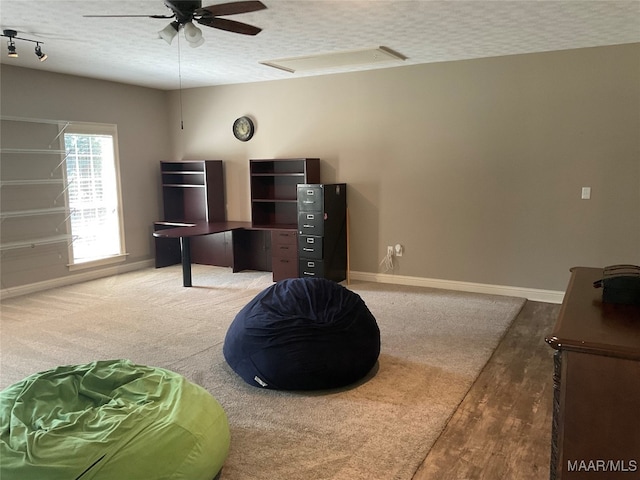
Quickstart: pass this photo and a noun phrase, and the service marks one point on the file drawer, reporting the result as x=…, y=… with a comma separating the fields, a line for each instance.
x=310, y=198
x=311, y=247
x=311, y=268
x=311, y=223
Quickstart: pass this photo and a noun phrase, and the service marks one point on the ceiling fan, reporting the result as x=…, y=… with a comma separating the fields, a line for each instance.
x=185, y=12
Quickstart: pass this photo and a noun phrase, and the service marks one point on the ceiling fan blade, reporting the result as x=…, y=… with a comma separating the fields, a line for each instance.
x=128, y=16
x=231, y=8
x=230, y=25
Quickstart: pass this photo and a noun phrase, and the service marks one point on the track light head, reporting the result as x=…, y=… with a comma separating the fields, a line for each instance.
x=12, y=49
x=41, y=56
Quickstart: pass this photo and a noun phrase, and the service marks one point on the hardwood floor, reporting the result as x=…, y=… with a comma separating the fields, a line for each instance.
x=502, y=428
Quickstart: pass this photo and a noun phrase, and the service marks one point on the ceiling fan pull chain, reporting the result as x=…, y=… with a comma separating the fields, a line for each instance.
x=180, y=86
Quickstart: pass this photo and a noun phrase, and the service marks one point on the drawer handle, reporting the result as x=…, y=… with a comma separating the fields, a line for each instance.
x=310, y=273
x=307, y=249
x=308, y=226
x=284, y=247
x=310, y=216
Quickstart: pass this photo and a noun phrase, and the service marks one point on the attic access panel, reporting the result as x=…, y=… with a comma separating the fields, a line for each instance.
x=371, y=56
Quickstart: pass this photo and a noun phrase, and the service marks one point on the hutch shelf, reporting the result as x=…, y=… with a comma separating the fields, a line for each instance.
x=274, y=189
x=193, y=191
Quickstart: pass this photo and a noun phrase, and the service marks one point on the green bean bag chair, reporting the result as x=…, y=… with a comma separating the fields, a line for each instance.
x=110, y=420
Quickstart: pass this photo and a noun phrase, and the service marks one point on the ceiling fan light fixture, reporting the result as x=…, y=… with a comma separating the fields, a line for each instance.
x=40, y=54
x=196, y=44
x=168, y=32
x=193, y=35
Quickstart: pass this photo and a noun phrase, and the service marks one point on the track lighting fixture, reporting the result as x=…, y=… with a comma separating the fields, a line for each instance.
x=192, y=34
x=11, y=46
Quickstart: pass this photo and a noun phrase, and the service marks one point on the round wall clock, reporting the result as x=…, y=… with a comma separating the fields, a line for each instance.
x=243, y=129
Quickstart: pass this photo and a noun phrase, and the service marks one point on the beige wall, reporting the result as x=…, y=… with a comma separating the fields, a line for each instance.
x=141, y=115
x=476, y=167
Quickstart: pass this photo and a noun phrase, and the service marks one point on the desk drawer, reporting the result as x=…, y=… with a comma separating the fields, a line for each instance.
x=284, y=237
x=284, y=251
x=284, y=268
x=310, y=247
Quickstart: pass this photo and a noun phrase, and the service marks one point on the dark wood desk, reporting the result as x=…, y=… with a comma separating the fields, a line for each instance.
x=596, y=404
x=198, y=229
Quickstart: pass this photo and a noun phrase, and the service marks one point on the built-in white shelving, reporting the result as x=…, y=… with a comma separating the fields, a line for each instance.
x=32, y=184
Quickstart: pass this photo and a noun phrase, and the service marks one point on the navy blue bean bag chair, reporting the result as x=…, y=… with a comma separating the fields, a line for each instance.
x=303, y=334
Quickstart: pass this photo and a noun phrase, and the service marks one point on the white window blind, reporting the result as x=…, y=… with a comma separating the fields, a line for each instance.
x=93, y=193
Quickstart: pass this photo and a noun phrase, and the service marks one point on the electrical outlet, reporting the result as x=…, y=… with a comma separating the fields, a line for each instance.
x=390, y=250
x=399, y=249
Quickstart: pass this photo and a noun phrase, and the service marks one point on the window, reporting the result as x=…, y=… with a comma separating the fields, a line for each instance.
x=93, y=193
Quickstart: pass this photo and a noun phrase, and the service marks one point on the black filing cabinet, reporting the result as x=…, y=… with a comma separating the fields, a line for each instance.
x=322, y=230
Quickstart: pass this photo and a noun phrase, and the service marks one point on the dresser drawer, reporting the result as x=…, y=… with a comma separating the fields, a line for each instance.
x=310, y=247
x=310, y=198
x=311, y=223
x=311, y=268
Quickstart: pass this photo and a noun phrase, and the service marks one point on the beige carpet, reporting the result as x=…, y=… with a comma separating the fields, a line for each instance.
x=434, y=344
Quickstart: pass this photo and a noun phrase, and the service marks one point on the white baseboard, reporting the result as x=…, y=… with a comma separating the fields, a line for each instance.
x=75, y=278
x=538, y=295
x=534, y=294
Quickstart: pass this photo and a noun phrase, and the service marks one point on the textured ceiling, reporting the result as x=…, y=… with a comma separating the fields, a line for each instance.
x=128, y=49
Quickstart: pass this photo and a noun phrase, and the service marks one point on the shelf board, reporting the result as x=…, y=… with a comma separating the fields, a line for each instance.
x=182, y=185
x=278, y=174
x=274, y=200
x=176, y=224
x=36, y=242
x=182, y=172
x=33, y=151
x=33, y=212
x=48, y=181
x=275, y=226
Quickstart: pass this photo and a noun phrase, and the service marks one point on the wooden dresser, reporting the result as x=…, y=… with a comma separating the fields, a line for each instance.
x=596, y=404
